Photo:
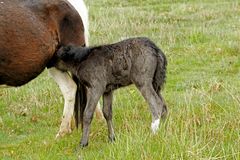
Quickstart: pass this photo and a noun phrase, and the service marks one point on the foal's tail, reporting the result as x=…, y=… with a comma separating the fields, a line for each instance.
x=160, y=73
x=80, y=102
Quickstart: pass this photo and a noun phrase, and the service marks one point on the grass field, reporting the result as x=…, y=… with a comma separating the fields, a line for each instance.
x=201, y=39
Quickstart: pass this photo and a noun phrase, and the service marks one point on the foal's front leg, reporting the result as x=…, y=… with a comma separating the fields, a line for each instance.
x=107, y=112
x=68, y=89
x=93, y=95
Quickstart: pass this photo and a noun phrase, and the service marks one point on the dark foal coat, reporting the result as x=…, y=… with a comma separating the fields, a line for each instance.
x=30, y=33
x=105, y=68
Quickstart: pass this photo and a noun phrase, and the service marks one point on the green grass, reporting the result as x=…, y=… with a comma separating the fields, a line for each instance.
x=201, y=41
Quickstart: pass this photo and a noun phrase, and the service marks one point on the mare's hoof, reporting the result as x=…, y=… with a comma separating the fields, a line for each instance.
x=99, y=114
x=59, y=136
x=64, y=130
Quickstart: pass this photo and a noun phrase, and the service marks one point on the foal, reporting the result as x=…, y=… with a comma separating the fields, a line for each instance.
x=105, y=68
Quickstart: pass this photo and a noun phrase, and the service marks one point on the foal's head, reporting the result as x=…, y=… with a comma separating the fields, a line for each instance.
x=73, y=54
x=63, y=56
x=67, y=53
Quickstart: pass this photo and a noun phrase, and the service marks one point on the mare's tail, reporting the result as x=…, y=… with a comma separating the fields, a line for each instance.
x=80, y=102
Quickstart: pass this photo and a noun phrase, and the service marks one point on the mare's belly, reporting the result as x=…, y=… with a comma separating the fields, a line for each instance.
x=26, y=45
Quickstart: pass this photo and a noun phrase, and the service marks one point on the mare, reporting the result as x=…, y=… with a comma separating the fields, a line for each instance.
x=102, y=69
x=30, y=33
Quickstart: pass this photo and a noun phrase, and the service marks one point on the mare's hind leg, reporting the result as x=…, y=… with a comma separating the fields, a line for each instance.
x=68, y=89
x=93, y=96
x=155, y=104
x=107, y=112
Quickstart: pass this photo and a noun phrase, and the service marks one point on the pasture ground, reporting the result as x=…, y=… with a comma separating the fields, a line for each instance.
x=202, y=42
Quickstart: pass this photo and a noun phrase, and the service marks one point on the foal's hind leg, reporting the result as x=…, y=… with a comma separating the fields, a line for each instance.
x=107, y=112
x=155, y=104
x=93, y=95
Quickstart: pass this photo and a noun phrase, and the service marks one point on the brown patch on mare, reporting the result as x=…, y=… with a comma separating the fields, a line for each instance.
x=30, y=32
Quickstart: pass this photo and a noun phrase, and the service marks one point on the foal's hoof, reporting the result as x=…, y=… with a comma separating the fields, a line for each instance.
x=83, y=145
x=80, y=147
x=164, y=112
x=111, y=139
x=155, y=126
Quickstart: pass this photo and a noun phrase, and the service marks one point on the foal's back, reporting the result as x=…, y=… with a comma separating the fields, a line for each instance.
x=120, y=64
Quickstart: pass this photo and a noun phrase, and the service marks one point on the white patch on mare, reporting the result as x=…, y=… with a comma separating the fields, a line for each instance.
x=68, y=89
x=80, y=6
x=4, y=86
x=155, y=126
